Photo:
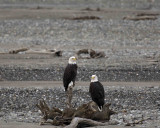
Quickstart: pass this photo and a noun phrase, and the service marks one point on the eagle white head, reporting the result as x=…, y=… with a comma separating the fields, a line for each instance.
x=94, y=78
x=72, y=60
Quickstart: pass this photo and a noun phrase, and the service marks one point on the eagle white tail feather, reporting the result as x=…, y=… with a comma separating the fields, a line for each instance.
x=100, y=108
x=70, y=84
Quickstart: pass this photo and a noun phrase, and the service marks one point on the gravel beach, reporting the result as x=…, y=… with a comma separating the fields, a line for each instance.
x=129, y=71
x=131, y=102
x=131, y=48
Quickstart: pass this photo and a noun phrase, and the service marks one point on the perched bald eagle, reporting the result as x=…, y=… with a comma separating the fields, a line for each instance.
x=70, y=73
x=97, y=92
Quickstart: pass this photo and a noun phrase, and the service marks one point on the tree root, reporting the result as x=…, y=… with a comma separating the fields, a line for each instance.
x=85, y=115
x=47, y=112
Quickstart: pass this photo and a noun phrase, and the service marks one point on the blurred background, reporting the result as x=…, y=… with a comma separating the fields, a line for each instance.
x=40, y=36
x=125, y=4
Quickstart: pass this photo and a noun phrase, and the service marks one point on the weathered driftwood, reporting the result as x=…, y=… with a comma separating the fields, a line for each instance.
x=82, y=122
x=148, y=14
x=143, y=17
x=89, y=9
x=18, y=50
x=85, y=115
x=41, y=51
x=69, y=96
x=47, y=112
x=91, y=52
x=44, y=51
x=85, y=18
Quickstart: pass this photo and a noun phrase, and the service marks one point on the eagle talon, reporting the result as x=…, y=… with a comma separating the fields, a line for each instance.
x=100, y=109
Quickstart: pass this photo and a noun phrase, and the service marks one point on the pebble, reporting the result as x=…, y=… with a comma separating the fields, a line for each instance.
x=2, y=114
x=20, y=114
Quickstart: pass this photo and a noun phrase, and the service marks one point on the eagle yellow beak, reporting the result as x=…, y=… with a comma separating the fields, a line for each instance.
x=74, y=59
x=92, y=77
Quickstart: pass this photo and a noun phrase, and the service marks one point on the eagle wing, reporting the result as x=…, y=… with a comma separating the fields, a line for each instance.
x=69, y=75
x=96, y=89
x=97, y=92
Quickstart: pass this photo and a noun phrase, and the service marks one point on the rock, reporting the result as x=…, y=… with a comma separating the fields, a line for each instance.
x=2, y=114
x=20, y=114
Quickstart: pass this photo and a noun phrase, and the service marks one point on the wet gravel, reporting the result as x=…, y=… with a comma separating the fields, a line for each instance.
x=131, y=103
x=105, y=73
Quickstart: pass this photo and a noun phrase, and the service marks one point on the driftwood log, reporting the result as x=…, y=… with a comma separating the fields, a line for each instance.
x=85, y=115
x=91, y=52
x=85, y=18
x=142, y=16
x=18, y=50
x=41, y=51
x=136, y=18
x=82, y=122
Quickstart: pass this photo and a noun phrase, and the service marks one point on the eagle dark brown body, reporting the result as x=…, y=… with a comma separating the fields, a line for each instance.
x=70, y=74
x=97, y=93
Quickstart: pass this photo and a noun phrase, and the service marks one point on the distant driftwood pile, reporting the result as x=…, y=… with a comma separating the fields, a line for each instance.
x=90, y=52
x=30, y=51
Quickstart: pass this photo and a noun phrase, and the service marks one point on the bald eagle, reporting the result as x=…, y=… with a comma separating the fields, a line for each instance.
x=97, y=92
x=70, y=73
